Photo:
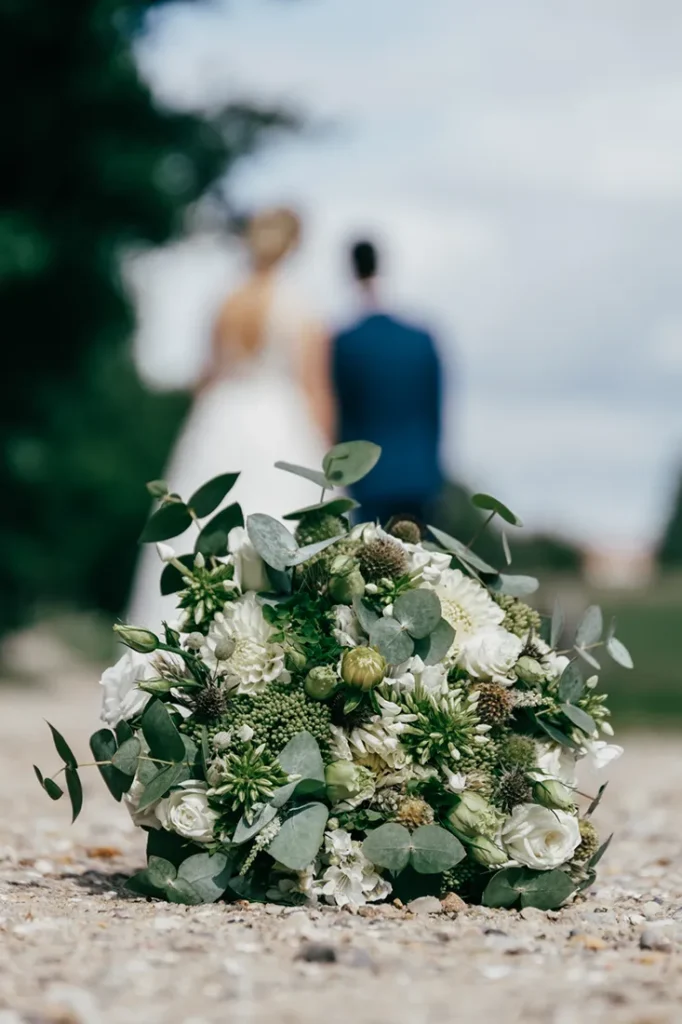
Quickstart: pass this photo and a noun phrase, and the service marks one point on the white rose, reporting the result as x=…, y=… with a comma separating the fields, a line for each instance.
x=556, y=762
x=186, y=811
x=143, y=819
x=600, y=753
x=249, y=568
x=539, y=838
x=490, y=654
x=122, y=699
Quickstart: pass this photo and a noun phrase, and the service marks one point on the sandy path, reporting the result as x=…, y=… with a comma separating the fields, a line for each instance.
x=74, y=948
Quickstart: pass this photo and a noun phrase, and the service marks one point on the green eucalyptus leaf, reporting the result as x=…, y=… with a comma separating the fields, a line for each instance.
x=125, y=759
x=418, y=612
x=350, y=461
x=619, y=652
x=246, y=831
x=310, y=550
x=388, y=846
x=301, y=756
x=335, y=507
x=546, y=890
x=590, y=628
x=208, y=497
x=314, y=475
x=162, y=782
x=353, y=700
x=142, y=885
x=170, y=520
x=579, y=718
x=506, y=550
x=212, y=541
x=179, y=890
x=501, y=890
x=124, y=731
x=208, y=874
x=513, y=586
x=462, y=552
x=597, y=800
x=75, y=789
x=54, y=791
x=490, y=504
x=571, y=684
x=556, y=734
x=172, y=579
x=271, y=539
x=169, y=846
x=297, y=843
x=587, y=657
x=433, y=648
x=557, y=624
x=164, y=740
x=103, y=746
x=434, y=850
x=391, y=640
x=157, y=488
x=63, y=749
x=366, y=616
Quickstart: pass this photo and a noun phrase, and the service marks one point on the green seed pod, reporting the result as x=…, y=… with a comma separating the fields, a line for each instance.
x=294, y=659
x=141, y=640
x=343, y=589
x=530, y=671
x=486, y=853
x=552, y=794
x=363, y=667
x=472, y=814
x=321, y=682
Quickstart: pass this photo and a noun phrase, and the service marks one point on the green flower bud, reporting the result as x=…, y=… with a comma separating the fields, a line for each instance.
x=472, y=814
x=224, y=649
x=552, y=794
x=321, y=682
x=529, y=670
x=487, y=853
x=157, y=687
x=295, y=659
x=141, y=640
x=343, y=589
x=348, y=783
x=363, y=667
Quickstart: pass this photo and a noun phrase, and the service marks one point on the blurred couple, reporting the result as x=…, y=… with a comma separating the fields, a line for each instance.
x=280, y=386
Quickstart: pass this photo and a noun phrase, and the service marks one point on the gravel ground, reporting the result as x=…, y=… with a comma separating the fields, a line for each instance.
x=75, y=948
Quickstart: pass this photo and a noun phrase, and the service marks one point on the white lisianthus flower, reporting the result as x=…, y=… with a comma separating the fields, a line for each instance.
x=490, y=655
x=599, y=753
x=376, y=743
x=540, y=838
x=347, y=630
x=122, y=699
x=249, y=568
x=456, y=782
x=556, y=762
x=186, y=811
x=426, y=565
x=431, y=678
x=466, y=605
x=142, y=819
x=253, y=661
x=350, y=878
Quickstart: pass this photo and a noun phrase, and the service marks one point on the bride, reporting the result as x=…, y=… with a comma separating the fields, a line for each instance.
x=264, y=396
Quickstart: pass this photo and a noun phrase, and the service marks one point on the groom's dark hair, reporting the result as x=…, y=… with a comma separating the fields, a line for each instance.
x=365, y=260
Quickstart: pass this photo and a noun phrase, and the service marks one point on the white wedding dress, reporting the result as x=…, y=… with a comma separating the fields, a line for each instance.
x=245, y=421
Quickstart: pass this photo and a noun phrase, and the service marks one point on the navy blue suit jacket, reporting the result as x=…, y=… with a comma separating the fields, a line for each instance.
x=387, y=378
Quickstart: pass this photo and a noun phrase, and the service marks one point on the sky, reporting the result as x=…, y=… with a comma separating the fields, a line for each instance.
x=521, y=165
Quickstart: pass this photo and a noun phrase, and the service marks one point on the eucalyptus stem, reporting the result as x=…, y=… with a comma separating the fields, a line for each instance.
x=482, y=528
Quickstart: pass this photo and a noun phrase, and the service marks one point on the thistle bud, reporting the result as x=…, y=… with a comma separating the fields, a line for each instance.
x=141, y=640
x=347, y=782
x=321, y=682
x=343, y=589
x=552, y=794
x=470, y=813
x=363, y=667
x=487, y=853
x=529, y=670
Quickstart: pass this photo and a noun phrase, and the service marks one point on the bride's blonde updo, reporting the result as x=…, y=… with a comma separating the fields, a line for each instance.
x=271, y=234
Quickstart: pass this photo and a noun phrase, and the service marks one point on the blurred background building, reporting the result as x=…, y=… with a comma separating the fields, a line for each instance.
x=522, y=166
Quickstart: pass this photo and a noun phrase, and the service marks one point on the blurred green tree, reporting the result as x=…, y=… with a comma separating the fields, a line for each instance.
x=92, y=167
x=670, y=549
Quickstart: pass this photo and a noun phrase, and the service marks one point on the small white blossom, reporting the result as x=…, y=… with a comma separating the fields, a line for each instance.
x=349, y=879
x=347, y=630
x=165, y=552
x=245, y=733
x=600, y=753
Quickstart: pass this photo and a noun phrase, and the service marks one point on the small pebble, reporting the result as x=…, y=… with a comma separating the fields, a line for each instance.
x=654, y=938
x=317, y=953
x=425, y=905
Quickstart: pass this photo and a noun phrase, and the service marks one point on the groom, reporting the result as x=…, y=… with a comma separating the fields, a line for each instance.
x=387, y=379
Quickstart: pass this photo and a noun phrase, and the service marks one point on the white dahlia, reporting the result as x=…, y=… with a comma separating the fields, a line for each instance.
x=490, y=655
x=466, y=605
x=238, y=647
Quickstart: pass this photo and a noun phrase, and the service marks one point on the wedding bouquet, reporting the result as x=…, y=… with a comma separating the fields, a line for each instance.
x=347, y=713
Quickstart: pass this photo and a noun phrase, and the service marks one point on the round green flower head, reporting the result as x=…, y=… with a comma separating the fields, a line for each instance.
x=321, y=682
x=363, y=667
x=319, y=525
